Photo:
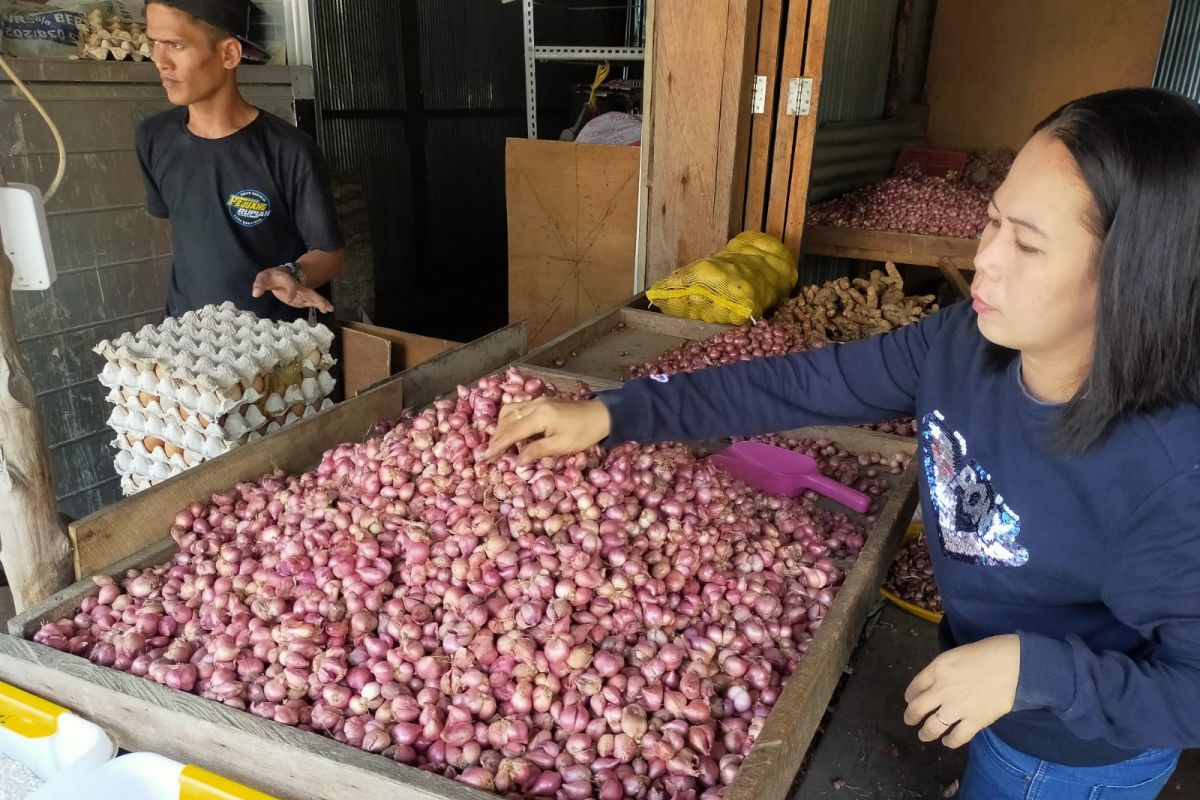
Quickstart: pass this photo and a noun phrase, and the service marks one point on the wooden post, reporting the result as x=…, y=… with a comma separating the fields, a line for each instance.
x=34, y=546
x=704, y=57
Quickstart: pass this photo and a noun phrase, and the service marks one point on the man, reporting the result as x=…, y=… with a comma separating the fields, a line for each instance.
x=252, y=215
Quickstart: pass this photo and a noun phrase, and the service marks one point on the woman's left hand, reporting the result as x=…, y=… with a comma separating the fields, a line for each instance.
x=973, y=686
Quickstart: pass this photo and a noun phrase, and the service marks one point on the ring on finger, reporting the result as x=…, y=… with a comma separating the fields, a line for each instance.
x=938, y=717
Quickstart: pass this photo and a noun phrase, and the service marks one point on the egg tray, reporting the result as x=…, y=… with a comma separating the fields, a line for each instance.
x=248, y=415
x=156, y=384
x=192, y=447
x=143, y=461
x=215, y=349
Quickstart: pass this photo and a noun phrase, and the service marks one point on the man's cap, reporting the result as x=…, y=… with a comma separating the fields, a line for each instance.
x=229, y=16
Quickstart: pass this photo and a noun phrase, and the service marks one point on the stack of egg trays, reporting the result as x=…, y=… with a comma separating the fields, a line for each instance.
x=199, y=385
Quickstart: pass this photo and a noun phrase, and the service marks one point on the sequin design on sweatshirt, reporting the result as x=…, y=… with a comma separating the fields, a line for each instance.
x=975, y=525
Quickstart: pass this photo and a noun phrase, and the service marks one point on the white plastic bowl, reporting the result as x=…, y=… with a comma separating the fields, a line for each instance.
x=52, y=742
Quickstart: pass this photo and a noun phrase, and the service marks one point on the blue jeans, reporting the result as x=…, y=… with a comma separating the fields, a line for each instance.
x=996, y=771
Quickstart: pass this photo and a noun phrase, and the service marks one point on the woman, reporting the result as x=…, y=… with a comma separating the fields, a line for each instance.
x=1060, y=446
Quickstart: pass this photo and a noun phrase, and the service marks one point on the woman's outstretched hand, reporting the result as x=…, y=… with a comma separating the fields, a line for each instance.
x=566, y=426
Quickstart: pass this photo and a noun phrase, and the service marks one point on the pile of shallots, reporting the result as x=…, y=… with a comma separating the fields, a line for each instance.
x=912, y=203
x=612, y=624
x=900, y=427
x=911, y=577
x=729, y=347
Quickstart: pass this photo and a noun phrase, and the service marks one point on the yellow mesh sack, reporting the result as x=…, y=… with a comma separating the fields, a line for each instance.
x=739, y=284
x=776, y=255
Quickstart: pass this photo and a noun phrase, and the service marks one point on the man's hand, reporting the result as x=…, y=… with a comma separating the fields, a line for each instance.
x=569, y=427
x=285, y=288
x=964, y=690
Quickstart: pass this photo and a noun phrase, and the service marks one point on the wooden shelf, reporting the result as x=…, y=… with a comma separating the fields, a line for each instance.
x=900, y=248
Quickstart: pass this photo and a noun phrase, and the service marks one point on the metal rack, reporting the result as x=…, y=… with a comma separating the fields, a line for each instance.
x=535, y=53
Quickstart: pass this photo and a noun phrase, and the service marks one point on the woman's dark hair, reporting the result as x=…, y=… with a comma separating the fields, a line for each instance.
x=1138, y=151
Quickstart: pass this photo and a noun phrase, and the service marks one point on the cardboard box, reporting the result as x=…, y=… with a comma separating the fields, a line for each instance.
x=371, y=354
x=572, y=232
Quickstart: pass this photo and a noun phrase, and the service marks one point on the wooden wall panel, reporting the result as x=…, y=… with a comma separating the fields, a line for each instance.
x=997, y=69
x=572, y=231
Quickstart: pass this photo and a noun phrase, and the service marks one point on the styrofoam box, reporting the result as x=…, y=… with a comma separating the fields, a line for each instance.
x=148, y=776
x=53, y=743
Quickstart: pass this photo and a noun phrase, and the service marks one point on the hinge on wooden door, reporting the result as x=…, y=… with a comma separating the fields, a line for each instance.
x=799, y=102
x=758, y=100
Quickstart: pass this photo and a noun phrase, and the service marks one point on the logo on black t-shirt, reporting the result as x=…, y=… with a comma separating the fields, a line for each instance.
x=249, y=207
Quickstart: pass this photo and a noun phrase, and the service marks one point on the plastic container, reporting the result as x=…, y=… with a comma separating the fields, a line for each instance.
x=148, y=776
x=55, y=744
x=915, y=529
x=933, y=162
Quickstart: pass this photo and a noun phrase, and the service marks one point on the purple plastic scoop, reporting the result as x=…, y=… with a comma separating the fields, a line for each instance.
x=778, y=471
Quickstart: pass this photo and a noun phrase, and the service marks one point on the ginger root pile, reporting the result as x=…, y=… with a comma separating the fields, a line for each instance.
x=845, y=309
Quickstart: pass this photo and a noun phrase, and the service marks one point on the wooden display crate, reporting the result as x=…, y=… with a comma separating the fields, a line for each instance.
x=298, y=765
x=605, y=347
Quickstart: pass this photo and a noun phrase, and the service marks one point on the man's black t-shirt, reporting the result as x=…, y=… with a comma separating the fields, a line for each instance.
x=255, y=199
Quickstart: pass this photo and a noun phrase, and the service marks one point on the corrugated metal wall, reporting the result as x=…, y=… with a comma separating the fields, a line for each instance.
x=113, y=259
x=858, y=58
x=1179, y=61
x=847, y=155
x=416, y=99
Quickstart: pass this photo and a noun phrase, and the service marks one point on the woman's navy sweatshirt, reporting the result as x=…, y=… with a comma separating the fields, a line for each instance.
x=1093, y=560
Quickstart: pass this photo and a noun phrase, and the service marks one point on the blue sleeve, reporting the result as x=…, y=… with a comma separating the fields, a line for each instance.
x=874, y=380
x=1153, y=585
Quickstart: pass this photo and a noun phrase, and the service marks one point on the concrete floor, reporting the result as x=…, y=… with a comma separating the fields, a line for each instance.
x=868, y=751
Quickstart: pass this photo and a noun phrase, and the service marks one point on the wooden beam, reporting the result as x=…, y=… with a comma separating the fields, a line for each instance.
x=791, y=66
x=703, y=66
x=762, y=126
x=741, y=50
x=647, y=155
x=806, y=126
x=33, y=544
x=955, y=277
x=901, y=248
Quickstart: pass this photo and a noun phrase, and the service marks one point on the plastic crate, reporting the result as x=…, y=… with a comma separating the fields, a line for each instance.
x=50, y=741
x=933, y=162
x=148, y=776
